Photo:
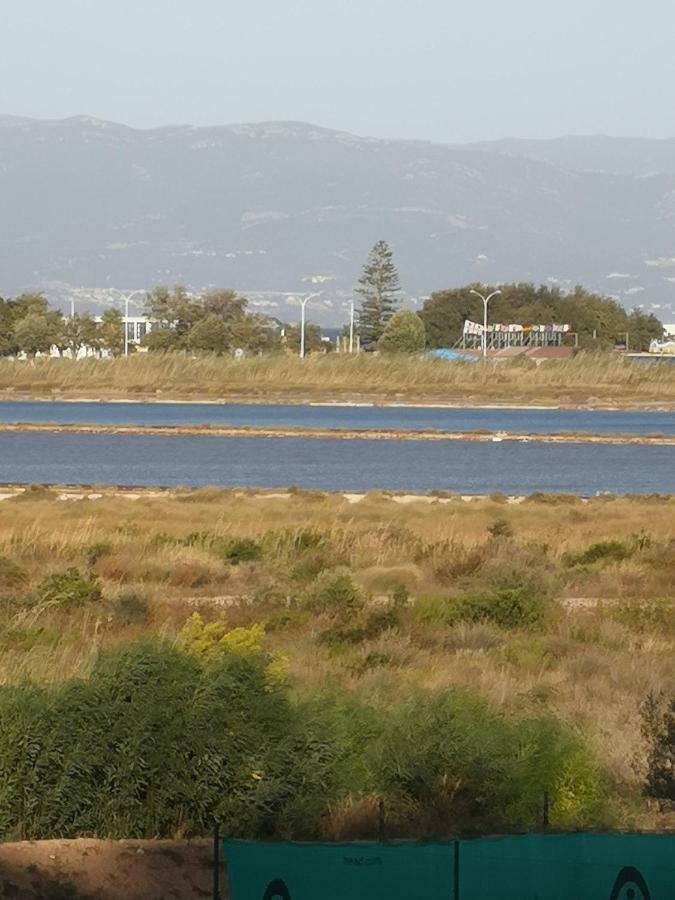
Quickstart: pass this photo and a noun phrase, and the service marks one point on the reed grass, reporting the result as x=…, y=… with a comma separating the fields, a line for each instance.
x=587, y=378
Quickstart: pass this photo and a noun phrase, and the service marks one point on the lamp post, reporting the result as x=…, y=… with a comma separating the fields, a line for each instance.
x=351, y=327
x=126, y=318
x=303, y=304
x=485, y=300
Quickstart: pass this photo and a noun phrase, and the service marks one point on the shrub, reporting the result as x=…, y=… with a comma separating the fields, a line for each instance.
x=130, y=609
x=68, y=589
x=334, y=591
x=149, y=745
x=605, y=551
x=435, y=610
x=647, y=615
x=445, y=759
x=451, y=561
x=500, y=528
x=400, y=595
x=241, y=550
x=12, y=576
x=156, y=742
x=312, y=563
x=97, y=551
x=658, y=730
x=508, y=608
x=553, y=499
x=215, y=640
x=362, y=628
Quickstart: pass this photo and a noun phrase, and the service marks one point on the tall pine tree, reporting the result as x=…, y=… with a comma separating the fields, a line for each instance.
x=378, y=287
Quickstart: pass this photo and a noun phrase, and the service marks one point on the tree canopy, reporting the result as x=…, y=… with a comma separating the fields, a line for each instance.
x=445, y=311
x=404, y=333
x=215, y=322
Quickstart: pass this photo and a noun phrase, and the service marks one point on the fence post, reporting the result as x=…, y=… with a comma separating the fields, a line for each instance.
x=216, y=862
x=455, y=873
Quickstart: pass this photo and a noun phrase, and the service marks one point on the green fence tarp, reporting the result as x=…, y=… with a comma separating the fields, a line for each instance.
x=529, y=867
x=338, y=871
x=562, y=867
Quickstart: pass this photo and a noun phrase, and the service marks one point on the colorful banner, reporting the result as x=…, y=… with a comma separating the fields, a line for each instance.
x=497, y=327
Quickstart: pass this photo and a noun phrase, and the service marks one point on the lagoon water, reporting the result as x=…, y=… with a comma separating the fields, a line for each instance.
x=542, y=421
x=335, y=464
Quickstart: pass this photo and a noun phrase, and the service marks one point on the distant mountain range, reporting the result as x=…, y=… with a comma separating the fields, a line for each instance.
x=284, y=208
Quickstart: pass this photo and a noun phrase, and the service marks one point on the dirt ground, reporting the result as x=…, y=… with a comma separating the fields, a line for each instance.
x=107, y=870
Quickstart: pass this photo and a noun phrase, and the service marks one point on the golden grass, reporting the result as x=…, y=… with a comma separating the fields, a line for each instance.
x=592, y=665
x=588, y=378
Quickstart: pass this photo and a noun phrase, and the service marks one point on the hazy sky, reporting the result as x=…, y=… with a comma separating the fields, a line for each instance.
x=450, y=70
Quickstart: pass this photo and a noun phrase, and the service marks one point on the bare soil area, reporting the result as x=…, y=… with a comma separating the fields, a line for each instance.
x=85, y=869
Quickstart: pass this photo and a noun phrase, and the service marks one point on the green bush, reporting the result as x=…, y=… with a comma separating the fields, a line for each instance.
x=602, y=551
x=335, y=592
x=68, y=589
x=507, y=607
x=449, y=764
x=151, y=744
x=646, y=615
x=156, y=741
x=435, y=610
x=241, y=550
x=365, y=627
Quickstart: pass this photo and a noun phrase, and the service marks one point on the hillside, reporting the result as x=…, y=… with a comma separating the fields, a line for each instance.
x=277, y=208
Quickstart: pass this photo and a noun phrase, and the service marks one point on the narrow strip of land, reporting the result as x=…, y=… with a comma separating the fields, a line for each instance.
x=380, y=434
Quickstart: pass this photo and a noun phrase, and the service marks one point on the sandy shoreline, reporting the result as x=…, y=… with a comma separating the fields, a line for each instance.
x=348, y=403
x=226, y=431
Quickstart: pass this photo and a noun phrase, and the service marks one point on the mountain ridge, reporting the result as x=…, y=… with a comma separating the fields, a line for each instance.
x=276, y=209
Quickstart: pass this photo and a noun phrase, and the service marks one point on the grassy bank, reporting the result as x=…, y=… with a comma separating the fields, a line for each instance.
x=429, y=652
x=596, y=380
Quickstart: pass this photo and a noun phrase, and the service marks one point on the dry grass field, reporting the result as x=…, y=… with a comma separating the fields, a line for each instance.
x=587, y=379
x=552, y=605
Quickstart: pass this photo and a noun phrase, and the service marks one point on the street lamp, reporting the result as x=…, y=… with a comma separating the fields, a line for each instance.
x=485, y=300
x=303, y=304
x=126, y=318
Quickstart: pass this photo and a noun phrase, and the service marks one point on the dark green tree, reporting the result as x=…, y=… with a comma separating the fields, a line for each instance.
x=313, y=340
x=7, y=319
x=643, y=329
x=378, y=288
x=81, y=331
x=111, y=332
x=209, y=335
x=38, y=332
x=404, y=333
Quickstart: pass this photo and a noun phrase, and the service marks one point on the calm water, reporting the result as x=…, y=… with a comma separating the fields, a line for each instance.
x=333, y=464
x=414, y=418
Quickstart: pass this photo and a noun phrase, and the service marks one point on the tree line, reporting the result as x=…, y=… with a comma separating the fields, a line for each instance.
x=28, y=325
x=599, y=322
x=220, y=322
